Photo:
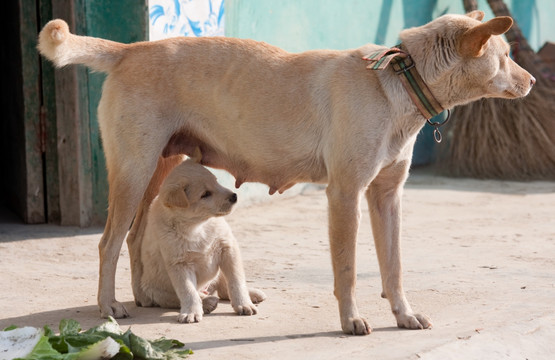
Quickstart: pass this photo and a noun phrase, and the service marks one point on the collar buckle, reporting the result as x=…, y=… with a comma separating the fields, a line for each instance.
x=404, y=68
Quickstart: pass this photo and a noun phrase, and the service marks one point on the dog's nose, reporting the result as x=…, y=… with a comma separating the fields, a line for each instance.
x=532, y=80
x=233, y=198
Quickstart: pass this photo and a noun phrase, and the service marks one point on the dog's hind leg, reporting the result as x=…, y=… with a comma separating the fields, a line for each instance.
x=128, y=182
x=135, y=236
x=384, y=203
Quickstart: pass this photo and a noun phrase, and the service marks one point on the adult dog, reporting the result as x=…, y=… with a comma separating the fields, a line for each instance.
x=269, y=116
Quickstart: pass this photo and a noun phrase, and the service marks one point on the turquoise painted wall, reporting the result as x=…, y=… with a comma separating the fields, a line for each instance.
x=298, y=25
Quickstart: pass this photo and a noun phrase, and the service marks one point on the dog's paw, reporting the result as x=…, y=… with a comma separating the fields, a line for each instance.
x=115, y=310
x=210, y=303
x=185, y=318
x=257, y=296
x=245, y=309
x=414, y=321
x=356, y=326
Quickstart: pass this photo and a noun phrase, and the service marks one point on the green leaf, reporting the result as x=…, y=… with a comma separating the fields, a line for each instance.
x=58, y=343
x=124, y=352
x=143, y=349
x=44, y=351
x=166, y=344
x=103, y=349
x=48, y=332
x=11, y=327
x=111, y=326
x=107, y=339
x=69, y=327
x=79, y=341
x=161, y=349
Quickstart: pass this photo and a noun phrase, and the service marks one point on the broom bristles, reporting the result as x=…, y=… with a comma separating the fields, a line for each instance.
x=505, y=139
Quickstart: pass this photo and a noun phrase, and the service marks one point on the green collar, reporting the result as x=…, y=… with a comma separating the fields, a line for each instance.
x=420, y=94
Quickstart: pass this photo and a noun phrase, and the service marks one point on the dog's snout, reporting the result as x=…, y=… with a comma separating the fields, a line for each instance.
x=233, y=198
x=532, y=80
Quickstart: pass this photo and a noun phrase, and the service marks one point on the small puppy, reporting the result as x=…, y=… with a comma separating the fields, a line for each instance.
x=186, y=244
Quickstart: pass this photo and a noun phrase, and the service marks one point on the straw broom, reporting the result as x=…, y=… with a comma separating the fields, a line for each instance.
x=506, y=139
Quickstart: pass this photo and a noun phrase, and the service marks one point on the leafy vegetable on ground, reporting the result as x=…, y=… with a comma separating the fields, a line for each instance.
x=107, y=341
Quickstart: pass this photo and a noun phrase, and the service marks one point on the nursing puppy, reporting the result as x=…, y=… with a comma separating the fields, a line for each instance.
x=187, y=243
x=266, y=115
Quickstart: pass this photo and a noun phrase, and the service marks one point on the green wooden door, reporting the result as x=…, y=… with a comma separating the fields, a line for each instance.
x=81, y=166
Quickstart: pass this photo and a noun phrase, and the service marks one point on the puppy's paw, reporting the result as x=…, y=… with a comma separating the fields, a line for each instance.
x=185, y=318
x=245, y=309
x=209, y=303
x=257, y=296
x=356, y=326
x=191, y=313
x=414, y=321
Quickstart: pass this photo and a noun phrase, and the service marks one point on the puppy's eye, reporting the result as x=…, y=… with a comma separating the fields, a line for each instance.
x=206, y=194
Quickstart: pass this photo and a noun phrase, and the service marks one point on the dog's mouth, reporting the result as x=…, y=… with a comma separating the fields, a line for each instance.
x=224, y=211
x=516, y=92
x=510, y=95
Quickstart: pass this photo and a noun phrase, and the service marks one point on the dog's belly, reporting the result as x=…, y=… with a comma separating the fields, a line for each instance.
x=279, y=171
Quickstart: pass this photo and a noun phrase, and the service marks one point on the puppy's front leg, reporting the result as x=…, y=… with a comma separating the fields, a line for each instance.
x=384, y=203
x=184, y=282
x=344, y=217
x=232, y=269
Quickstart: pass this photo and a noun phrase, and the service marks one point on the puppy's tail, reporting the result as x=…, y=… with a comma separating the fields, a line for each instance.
x=60, y=46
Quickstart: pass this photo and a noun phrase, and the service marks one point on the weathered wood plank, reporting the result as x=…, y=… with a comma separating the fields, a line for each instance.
x=73, y=128
x=34, y=191
x=48, y=108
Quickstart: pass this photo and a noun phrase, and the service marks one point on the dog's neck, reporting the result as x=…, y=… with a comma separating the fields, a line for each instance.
x=417, y=89
x=404, y=66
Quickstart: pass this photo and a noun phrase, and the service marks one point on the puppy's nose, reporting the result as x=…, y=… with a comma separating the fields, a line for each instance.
x=532, y=80
x=233, y=198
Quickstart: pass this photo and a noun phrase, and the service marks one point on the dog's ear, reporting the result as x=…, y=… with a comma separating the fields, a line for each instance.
x=471, y=43
x=197, y=155
x=476, y=14
x=177, y=197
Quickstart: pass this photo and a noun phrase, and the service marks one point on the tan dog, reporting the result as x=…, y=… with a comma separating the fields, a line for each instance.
x=187, y=242
x=278, y=118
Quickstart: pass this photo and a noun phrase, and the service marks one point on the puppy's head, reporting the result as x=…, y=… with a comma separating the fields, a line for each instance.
x=193, y=191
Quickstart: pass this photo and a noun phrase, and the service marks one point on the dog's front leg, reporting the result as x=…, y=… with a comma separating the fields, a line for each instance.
x=184, y=282
x=384, y=203
x=344, y=217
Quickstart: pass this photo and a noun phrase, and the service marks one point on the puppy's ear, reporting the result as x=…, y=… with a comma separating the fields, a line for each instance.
x=476, y=14
x=177, y=197
x=472, y=42
x=197, y=155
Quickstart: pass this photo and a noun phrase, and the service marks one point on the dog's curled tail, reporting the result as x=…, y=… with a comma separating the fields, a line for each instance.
x=60, y=46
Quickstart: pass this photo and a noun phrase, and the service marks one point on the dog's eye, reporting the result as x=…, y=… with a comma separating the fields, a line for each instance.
x=206, y=194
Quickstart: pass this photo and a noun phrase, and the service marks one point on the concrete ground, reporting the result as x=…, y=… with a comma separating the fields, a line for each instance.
x=478, y=256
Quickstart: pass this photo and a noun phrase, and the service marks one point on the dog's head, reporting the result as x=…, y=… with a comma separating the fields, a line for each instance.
x=463, y=59
x=194, y=192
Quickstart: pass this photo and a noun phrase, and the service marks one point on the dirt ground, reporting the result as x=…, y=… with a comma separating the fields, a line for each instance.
x=479, y=259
